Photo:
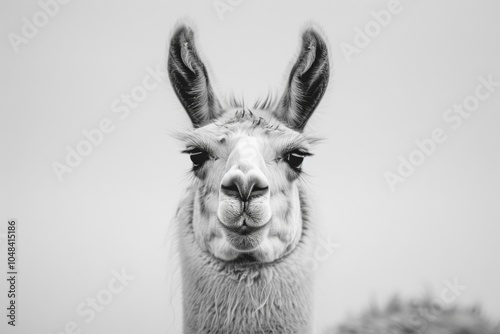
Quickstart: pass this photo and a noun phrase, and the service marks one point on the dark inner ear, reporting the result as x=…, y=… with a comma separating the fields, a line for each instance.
x=189, y=78
x=307, y=82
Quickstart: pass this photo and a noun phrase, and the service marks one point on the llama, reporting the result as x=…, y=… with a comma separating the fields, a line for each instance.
x=244, y=226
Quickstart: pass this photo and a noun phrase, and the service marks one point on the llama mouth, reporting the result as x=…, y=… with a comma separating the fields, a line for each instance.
x=245, y=238
x=244, y=229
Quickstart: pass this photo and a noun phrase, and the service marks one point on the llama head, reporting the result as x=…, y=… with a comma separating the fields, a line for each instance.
x=247, y=162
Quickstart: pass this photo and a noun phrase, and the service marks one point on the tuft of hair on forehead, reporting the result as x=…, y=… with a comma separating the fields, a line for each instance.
x=243, y=115
x=236, y=117
x=267, y=102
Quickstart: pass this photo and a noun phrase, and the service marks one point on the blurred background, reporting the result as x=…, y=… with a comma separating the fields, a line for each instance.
x=68, y=69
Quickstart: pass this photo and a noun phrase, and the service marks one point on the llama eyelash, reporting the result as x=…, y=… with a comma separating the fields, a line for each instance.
x=195, y=147
x=198, y=157
x=295, y=149
x=298, y=150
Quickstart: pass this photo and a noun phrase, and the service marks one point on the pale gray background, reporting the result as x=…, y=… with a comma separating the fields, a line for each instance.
x=115, y=209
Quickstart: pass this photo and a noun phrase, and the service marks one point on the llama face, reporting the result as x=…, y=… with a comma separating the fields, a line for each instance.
x=247, y=163
x=247, y=169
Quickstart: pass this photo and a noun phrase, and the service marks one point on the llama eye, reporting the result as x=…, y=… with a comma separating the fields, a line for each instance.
x=295, y=159
x=198, y=157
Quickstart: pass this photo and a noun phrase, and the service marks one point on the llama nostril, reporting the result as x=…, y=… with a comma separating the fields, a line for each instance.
x=257, y=191
x=244, y=190
x=231, y=190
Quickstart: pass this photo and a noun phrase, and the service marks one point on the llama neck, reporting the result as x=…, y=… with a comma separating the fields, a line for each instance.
x=222, y=298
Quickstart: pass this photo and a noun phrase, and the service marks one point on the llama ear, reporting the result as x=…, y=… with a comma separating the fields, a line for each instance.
x=307, y=82
x=189, y=78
